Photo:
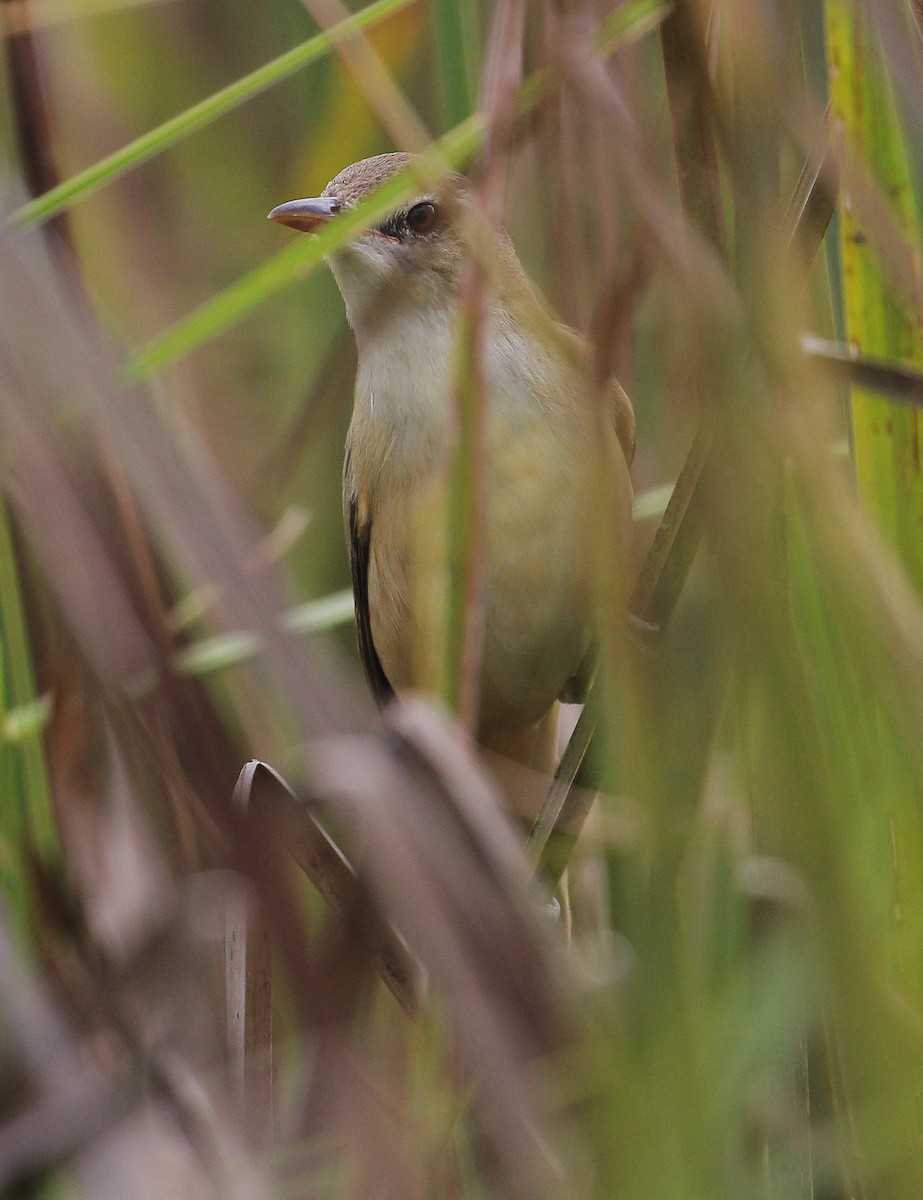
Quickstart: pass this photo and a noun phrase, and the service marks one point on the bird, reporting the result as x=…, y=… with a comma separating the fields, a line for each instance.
x=545, y=448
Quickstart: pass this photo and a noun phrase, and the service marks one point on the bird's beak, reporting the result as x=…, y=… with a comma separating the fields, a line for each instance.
x=305, y=215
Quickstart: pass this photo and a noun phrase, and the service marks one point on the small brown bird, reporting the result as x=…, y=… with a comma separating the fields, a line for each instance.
x=545, y=451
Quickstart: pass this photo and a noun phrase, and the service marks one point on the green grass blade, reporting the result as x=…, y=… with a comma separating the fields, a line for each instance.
x=83, y=184
x=295, y=261
x=226, y=650
x=455, y=33
x=878, y=322
x=25, y=806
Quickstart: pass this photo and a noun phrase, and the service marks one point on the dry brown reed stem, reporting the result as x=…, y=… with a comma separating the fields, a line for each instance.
x=466, y=615
x=676, y=543
x=263, y=792
x=435, y=854
x=31, y=115
x=27, y=16
x=137, y=1046
x=72, y=1103
x=73, y=748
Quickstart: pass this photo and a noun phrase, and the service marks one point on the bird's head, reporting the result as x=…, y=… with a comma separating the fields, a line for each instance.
x=413, y=257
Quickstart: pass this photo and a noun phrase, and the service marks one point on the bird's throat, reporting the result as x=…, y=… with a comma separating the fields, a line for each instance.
x=404, y=388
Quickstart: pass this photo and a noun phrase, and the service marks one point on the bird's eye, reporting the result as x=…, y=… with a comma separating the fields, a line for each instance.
x=422, y=217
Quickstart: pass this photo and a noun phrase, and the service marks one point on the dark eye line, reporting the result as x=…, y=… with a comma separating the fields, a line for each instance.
x=396, y=226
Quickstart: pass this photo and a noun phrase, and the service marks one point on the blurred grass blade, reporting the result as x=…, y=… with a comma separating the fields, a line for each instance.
x=455, y=35
x=464, y=629
x=25, y=808
x=630, y=21
x=295, y=261
x=875, y=908
x=886, y=433
x=692, y=119
x=813, y=201
x=555, y=830
x=900, y=381
x=84, y=183
x=676, y=542
x=249, y=999
x=691, y=104
x=465, y=613
x=226, y=650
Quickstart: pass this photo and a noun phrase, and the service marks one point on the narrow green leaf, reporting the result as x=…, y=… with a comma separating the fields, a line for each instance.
x=84, y=183
x=455, y=34
x=315, y=616
x=886, y=434
x=231, y=649
x=217, y=653
x=294, y=261
x=25, y=807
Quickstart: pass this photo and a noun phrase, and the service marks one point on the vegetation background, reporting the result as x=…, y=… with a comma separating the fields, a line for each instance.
x=724, y=198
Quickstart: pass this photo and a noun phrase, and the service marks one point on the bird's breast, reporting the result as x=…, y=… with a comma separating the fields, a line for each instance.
x=537, y=593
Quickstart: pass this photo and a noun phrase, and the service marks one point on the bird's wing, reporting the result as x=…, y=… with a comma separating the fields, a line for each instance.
x=359, y=535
